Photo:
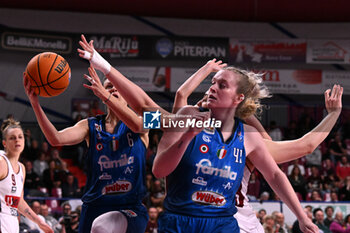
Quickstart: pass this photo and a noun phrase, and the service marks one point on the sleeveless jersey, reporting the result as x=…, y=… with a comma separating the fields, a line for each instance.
x=116, y=165
x=247, y=220
x=10, y=194
x=206, y=180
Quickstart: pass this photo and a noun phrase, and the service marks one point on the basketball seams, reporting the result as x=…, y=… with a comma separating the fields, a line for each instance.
x=55, y=88
x=27, y=71
x=43, y=86
x=48, y=73
x=57, y=79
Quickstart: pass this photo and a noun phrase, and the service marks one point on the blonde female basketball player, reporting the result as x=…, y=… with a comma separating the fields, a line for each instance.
x=282, y=151
x=169, y=157
x=12, y=177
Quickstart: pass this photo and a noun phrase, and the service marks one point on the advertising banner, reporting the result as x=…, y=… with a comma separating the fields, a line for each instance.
x=35, y=42
x=328, y=51
x=263, y=51
x=190, y=48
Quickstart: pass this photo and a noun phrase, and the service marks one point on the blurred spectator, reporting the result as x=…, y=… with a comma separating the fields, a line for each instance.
x=316, y=195
x=347, y=221
x=55, y=156
x=344, y=192
x=296, y=228
x=280, y=224
x=67, y=209
x=264, y=196
x=315, y=158
x=34, y=151
x=338, y=225
x=314, y=181
x=79, y=111
x=337, y=148
x=331, y=182
x=343, y=168
x=275, y=132
x=334, y=196
x=152, y=226
x=296, y=163
x=297, y=181
x=260, y=215
x=305, y=124
x=50, y=220
x=45, y=148
x=253, y=187
x=329, y=216
x=269, y=224
x=51, y=175
x=291, y=132
x=27, y=142
x=40, y=164
x=70, y=223
x=319, y=220
x=32, y=181
x=157, y=194
x=328, y=167
x=29, y=223
x=70, y=188
x=95, y=109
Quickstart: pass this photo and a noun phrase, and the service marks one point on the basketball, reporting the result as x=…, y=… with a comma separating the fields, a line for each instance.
x=49, y=74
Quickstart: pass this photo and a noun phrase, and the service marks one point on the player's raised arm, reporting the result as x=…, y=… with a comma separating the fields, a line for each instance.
x=113, y=99
x=69, y=136
x=186, y=89
x=133, y=94
x=293, y=149
x=262, y=160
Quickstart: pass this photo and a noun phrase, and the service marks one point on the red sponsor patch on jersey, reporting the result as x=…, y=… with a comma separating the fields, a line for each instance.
x=117, y=188
x=208, y=198
x=12, y=201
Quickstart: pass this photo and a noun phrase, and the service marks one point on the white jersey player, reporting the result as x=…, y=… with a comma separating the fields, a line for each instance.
x=284, y=151
x=12, y=176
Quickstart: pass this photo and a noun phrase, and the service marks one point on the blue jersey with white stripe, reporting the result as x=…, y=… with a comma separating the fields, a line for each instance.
x=207, y=178
x=116, y=165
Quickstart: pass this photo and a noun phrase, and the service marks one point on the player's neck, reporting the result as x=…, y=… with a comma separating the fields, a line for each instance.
x=13, y=158
x=112, y=119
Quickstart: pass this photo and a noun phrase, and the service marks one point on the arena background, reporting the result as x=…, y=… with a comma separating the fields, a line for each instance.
x=321, y=29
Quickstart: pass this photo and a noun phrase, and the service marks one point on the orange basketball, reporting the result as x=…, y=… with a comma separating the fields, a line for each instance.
x=49, y=74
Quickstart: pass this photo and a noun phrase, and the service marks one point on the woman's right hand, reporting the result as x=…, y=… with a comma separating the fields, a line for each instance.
x=28, y=88
x=333, y=100
x=307, y=226
x=215, y=66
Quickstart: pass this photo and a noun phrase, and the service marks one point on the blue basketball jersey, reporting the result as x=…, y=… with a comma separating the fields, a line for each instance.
x=206, y=180
x=116, y=165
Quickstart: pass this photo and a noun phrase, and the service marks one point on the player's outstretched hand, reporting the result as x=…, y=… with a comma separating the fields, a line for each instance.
x=307, y=226
x=46, y=228
x=333, y=100
x=88, y=52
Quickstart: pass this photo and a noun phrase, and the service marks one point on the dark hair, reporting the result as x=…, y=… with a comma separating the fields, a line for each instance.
x=316, y=210
x=329, y=207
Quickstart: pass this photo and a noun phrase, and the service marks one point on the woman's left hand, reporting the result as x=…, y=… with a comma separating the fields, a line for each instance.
x=96, y=85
